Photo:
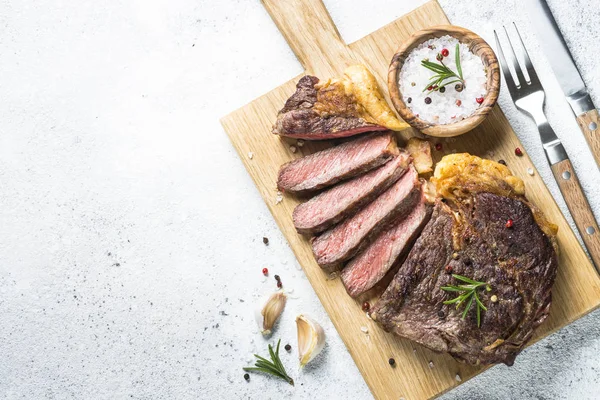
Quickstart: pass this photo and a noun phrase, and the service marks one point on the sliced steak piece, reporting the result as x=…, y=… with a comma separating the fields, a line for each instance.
x=336, y=108
x=471, y=239
x=316, y=114
x=346, y=239
x=330, y=207
x=327, y=167
x=371, y=265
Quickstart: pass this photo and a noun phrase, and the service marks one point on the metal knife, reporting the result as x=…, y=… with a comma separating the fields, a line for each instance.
x=567, y=73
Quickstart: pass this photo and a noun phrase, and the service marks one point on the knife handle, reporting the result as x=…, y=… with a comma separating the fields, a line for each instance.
x=589, y=122
x=579, y=207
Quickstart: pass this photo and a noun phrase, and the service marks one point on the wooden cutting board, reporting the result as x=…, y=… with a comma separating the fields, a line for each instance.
x=419, y=373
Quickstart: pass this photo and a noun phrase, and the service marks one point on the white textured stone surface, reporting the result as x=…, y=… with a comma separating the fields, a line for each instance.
x=130, y=233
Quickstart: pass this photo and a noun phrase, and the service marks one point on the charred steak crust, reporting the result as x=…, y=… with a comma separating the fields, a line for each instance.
x=344, y=199
x=300, y=120
x=330, y=166
x=519, y=263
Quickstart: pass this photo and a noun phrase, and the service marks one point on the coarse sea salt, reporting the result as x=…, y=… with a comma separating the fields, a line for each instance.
x=444, y=108
x=279, y=197
x=530, y=171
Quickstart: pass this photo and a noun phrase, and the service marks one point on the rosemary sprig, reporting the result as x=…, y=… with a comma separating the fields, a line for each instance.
x=457, y=62
x=273, y=367
x=467, y=294
x=443, y=74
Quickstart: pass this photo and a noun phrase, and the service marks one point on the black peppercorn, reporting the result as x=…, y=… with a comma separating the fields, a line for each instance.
x=442, y=89
x=459, y=87
x=502, y=162
x=277, y=278
x=427, y=100
x=392, y=362
x=247, y=377
x=288, y=347
x=266, y=240
x=409, y=100
x=441, y=314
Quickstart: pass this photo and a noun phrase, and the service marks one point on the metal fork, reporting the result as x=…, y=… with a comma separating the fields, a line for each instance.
x=529, y=97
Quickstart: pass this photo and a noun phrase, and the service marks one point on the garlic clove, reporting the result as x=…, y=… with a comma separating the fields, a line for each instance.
x=268, y=311
x=311, y=339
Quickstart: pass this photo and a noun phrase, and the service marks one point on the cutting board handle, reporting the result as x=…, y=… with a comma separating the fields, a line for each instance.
x=311, y=33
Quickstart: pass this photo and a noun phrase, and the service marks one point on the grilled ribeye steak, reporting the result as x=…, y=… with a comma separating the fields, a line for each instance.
x=300, y=117
x=372, y=264
x=327, y=167
x=344, y=199
x=346, y=239
x=336, y=108
x=468, y=235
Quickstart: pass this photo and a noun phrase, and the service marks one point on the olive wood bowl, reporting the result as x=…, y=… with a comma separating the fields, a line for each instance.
x=477, y=46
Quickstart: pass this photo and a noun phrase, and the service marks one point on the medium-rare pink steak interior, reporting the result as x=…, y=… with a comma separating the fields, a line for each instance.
x=346, y=239
x=327, y=167
x=373, y=263
x=344, y=199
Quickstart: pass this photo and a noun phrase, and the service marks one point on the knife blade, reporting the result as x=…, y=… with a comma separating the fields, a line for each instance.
x=566, y=73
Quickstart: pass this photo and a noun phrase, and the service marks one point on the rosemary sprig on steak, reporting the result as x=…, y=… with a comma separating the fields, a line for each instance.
x=443, y=74
x=467, y=294
x=273, y=367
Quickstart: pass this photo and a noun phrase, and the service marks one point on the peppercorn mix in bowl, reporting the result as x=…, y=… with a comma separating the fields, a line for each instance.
x=444, y=80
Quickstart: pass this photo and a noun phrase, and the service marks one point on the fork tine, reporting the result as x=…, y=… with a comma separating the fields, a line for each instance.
x=515, y=63
x=533, y=78
x=508, y=79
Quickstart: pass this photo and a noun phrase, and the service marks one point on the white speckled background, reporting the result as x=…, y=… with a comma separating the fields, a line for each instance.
x=131, y=235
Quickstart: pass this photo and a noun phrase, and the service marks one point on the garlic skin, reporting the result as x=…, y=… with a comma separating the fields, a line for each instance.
x=311, y=339
x=268, y=311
